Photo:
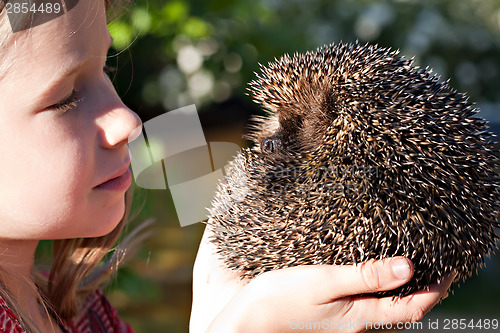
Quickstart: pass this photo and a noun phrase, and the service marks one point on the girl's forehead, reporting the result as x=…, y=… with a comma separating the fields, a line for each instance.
x=74, y=37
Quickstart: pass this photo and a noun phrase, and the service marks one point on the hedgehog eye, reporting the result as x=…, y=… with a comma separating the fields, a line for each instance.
x=270, y=145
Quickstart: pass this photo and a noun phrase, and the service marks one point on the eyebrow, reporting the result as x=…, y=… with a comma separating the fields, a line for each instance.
x=68, y=72
x=72, y=69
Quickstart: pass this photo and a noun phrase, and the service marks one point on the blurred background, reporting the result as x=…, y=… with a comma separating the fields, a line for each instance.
x=173, y=53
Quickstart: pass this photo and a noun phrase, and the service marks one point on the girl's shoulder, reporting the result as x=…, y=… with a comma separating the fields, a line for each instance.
x=96, y=315
x=8, y=320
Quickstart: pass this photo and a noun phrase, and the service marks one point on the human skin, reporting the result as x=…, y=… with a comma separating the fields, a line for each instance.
x=57, y=148
x=273, y=301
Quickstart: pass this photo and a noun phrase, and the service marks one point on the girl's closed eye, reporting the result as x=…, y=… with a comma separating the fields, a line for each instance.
x=74, y=98
x=68, y=103
x=108, y=70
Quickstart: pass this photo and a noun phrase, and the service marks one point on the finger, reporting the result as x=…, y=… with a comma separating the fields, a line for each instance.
x=410, y=308
x=370, y=277
x=421, y=302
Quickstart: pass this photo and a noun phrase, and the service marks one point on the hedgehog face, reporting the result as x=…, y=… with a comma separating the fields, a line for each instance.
x=295, y=129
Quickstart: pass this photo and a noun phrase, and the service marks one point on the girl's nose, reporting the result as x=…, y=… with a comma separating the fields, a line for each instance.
x=120, y=126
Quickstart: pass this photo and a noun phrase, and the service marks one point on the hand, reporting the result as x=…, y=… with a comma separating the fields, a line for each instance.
x=283, y=300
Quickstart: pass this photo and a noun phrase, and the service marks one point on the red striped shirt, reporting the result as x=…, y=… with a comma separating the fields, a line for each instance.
x=96, y=316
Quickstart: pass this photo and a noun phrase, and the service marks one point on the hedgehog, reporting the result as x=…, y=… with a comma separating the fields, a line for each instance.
x=360, y=155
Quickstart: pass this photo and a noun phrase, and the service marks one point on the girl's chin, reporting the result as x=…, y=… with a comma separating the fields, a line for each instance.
x=108, y=218
x=99, y=224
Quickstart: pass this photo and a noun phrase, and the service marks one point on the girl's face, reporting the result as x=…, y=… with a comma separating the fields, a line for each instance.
x=63, y=131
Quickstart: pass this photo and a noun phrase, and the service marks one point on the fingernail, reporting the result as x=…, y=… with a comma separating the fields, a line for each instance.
x=401, y=269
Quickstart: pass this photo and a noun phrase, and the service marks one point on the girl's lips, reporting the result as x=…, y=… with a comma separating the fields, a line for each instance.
x=120, y=183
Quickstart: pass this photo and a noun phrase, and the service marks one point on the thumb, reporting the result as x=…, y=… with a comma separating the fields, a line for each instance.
x=372, y=276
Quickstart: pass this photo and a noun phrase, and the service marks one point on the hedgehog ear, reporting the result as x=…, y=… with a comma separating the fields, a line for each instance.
x=260, y=127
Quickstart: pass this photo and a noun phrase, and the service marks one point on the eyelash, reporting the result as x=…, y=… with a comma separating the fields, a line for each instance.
x=108, y=69
x=72, y=100
x=68, y=103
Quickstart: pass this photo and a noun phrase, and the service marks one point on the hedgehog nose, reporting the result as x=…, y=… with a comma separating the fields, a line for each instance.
x=270, y=145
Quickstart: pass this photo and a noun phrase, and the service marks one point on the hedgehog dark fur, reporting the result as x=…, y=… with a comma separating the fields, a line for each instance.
x=362, y=155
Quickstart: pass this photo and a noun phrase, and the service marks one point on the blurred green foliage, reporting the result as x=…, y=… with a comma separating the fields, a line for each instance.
x=177, y=52
x=205, y=52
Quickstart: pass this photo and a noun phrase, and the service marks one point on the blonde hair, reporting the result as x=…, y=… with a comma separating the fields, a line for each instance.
x=77, y=268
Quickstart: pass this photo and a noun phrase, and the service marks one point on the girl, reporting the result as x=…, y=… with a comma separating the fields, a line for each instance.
x=64, y=176
x=64, y=171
